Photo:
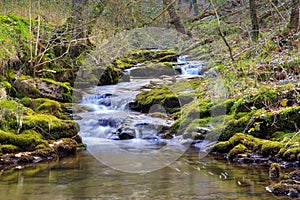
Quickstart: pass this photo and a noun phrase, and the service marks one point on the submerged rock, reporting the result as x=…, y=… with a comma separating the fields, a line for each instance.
x=274, y=171
x=287, y=187
x=295, y=175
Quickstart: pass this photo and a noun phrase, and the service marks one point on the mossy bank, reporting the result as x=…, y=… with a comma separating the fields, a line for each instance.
x=35, y=94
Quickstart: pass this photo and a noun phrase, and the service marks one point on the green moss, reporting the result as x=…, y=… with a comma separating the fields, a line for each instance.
x=222, y=147
x=265, y=97
x=232, y=126
x=14, y=35
x=45, y=106
x=141, y=56
x=50, y=127
x=161, y=95
x=9, y=148
x=11, y=113
x=26, y=141
x=6, y=85
x=292, y=154
x=248, y=141
x=270, y=148
x=238, y=149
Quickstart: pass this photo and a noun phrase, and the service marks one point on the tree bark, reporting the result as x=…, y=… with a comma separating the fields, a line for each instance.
x=294, y=19
x=254, y=20
x=175, y=18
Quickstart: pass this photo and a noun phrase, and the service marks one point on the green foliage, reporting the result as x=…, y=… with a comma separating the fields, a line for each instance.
x=14, y=35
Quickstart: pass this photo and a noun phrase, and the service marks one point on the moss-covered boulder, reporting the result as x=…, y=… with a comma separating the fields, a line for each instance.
x=284, y=150
x=46, y=106
x=43, y=88
x=50, y=127
x=26, y=141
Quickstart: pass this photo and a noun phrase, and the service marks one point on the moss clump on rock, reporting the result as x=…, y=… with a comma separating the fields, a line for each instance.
x=238, y=149
x=265, y=148
x=270, y=148
x=45, y=106
x=50, y=127
x=160, y=95
x=26, y=141
x=43, y=88
x=9, y=148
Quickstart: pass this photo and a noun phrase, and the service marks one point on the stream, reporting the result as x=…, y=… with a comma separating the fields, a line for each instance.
x=143, y=166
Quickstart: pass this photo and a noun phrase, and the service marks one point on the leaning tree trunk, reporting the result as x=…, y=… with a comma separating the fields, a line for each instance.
x=254, y=21
x=294, y=19
x=175, y=18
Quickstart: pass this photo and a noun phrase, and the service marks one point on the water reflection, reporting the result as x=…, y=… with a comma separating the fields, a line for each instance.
x=83, y=177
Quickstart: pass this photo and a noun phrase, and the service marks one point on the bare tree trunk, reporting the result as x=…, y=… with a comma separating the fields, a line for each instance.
x=294, y=20
x=175, y=18
x=254, y=20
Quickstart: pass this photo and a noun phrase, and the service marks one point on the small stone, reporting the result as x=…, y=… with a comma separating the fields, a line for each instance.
x=295, y=175
x=293, y=193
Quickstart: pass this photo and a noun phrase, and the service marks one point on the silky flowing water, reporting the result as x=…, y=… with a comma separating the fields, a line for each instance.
x=89, y=175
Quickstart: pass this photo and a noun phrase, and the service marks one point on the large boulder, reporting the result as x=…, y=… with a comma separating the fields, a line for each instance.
x=43, y=88
x=153, y=70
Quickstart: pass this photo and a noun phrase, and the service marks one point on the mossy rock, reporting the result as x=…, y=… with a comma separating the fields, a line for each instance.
x=26, y=141
x=141, y=56
x=248, y=141
x=238, y=149
x=65, y=147
x=43, y=88
x=266, y=123
x=50, y=127
x=222, y=147
x=9, y=148
x=161, y=95
x=45, y=106
x=232, y=126
x=291, y=154
x=271, y=148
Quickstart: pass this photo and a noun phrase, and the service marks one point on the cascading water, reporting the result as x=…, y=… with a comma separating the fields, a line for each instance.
x=109, y=116
x=189, y=67
x=127, y=140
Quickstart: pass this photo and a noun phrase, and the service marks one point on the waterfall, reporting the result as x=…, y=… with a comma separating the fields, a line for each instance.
x=108, y=115
x=189, y=67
